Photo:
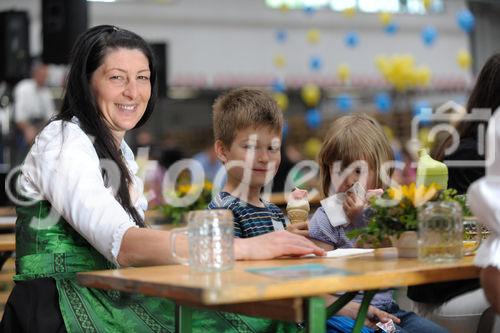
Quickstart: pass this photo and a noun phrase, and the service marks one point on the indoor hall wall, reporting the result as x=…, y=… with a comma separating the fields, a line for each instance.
x=211, y=42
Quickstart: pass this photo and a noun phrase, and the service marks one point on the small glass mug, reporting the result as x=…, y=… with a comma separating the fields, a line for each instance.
x=210, y=239
x=473, y=235
x=440, y=232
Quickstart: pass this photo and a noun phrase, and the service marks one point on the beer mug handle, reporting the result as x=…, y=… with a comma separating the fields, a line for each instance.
x=173, y=236
x=477, y=238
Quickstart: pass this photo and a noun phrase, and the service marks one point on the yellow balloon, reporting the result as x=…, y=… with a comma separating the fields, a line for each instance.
x=310, y=94
x=279, y=61
x=313, y=36
x=424, y=76
x=312, y=148
x=389, y=133
x=401, y=72
x=343, y=72
x=464, y=59
x=284, y=8
x=349, y=12
x=282, y=100
x=385, y=18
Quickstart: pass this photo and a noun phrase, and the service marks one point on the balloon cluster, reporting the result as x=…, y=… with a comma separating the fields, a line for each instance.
x=401, y=72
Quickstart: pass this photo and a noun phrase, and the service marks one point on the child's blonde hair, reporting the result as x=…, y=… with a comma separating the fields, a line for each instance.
x=243, y=108
x=353, y=138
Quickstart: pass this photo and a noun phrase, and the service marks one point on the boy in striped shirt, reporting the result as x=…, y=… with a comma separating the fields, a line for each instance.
x=247, y=129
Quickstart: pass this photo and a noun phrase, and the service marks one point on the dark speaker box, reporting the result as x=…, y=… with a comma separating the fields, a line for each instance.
x=160, y=51
x=62, y=22
x=14, y=46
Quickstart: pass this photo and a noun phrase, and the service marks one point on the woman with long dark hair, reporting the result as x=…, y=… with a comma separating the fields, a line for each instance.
x=83, y=208
x=461, y=303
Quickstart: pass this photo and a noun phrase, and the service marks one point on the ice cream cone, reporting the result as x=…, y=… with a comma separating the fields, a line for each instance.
x=296, y=215
x=297, y=208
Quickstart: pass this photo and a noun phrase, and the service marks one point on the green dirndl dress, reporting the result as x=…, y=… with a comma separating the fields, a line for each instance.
x=48, y=247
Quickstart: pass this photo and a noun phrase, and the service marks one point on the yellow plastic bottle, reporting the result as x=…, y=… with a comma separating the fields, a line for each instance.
x=431, y=171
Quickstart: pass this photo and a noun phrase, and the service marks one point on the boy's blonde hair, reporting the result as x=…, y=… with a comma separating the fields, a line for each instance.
x=243, y=108
x=353, y=138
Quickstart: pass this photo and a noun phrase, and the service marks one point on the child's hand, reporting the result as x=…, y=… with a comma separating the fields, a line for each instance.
x=299, y=228
x=298, y=194
x=353, y=206
x=374, y=193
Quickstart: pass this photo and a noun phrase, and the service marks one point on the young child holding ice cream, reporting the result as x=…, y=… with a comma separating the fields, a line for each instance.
x=350, y=161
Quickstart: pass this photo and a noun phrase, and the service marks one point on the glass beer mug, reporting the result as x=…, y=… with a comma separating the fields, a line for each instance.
x=210, y=240
x=440, y=232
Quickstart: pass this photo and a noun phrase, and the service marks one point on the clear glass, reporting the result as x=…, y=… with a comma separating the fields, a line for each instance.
x=440, y=232
x=210, y=238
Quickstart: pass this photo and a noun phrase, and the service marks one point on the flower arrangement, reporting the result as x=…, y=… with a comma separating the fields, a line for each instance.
x=186, y=197
x=396, y=211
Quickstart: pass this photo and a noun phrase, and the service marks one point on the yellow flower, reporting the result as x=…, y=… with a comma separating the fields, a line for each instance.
x=207, y=186
x=416, y=195
x=184, y=188
x=423, y=194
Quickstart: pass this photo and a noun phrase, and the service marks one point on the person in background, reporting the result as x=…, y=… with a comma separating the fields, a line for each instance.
x=156, y=181
x=33, y=106
x=84, y=206
x=483, y=200
x=210, y=163
x=351, y=140
x=460, y=304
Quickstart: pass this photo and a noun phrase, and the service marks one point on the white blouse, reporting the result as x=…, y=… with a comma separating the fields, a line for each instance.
x=63, y=168
x=483, y=197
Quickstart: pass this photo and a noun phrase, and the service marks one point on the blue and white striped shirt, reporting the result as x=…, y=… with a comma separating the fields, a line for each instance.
x=250, y=220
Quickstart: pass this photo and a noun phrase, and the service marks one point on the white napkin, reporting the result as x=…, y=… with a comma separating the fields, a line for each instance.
x=342, y=253
x=333, y=205
x=347, y=252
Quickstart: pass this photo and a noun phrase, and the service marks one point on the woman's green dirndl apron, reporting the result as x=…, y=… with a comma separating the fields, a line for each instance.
x=47, y=246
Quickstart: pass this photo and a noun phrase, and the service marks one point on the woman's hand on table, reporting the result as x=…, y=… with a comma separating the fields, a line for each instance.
x=273, y=245
x=300, y=228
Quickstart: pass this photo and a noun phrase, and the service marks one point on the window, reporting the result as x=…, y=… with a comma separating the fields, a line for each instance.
x=368, y=6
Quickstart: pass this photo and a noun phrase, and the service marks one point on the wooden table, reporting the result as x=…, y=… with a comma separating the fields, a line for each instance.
x=7, y=246
x=7, y=242
x=7, y=218
x=237, y=290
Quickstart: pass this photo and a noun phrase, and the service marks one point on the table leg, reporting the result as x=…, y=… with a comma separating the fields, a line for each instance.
x=340, y=303
x=183, y=318
x=316, y=315
x=363, y=309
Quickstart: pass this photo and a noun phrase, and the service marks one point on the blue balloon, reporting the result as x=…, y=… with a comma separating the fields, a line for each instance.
x=315, y=63
x=281, y=36
x=383, y=102
x=465, y=20
x=344, y=102
x=429, y=35
x=309, y=10
x=423, y=109
x=391, y=28
x=278, y=85
x=313, y=118
x=351, y=39
x=284, y=131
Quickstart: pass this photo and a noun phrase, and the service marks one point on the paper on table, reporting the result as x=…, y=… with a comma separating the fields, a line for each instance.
x=337, y=253
x=347, y=252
